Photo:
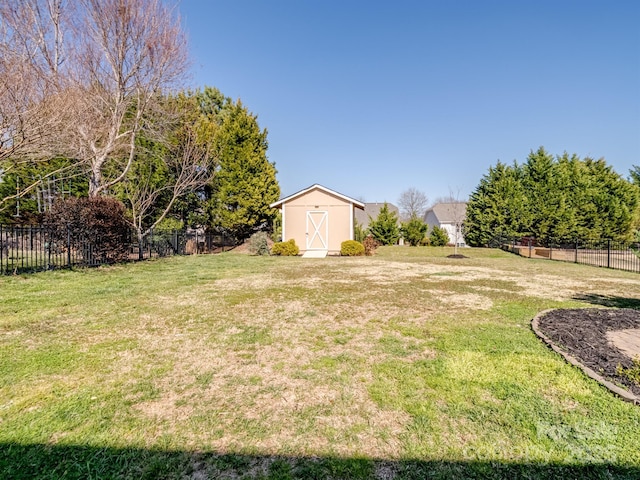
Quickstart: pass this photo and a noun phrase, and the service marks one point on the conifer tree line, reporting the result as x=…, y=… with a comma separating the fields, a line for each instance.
x=554, y=198
x=93, y=102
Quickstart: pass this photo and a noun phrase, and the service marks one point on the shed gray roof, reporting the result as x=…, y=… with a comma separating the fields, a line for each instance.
x=448, y=212
x=372, y=210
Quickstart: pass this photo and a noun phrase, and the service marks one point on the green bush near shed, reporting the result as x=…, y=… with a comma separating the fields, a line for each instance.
x=351, y=248
x=285, y=249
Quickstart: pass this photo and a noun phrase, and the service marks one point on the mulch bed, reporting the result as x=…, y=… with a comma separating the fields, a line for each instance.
x=582, y=334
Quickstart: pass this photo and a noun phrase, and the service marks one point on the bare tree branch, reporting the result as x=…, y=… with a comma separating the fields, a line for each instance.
x=186, y=162
x=457, y=213
x=76, y=78
x=413, y=204
x=31, y=54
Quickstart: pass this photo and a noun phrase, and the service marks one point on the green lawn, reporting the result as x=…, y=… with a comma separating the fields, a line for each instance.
x=406, y=365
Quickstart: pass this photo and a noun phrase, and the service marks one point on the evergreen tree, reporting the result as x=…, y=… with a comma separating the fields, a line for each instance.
x=438, y=237
x=359, y=232
x=384, y=228
x=169, y=167
x=634, y=175
x=561, y=198
x=38, y=185
x=245, y=184
x=414, y=231
x=497, y=209
x=615, y=202
x=547, y=192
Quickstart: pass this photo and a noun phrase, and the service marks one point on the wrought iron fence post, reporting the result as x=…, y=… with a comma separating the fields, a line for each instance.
x=47, y=246
x=609, y=253
x=529, y=248
x=576, y=257
x=68, y=246
x=140, y=247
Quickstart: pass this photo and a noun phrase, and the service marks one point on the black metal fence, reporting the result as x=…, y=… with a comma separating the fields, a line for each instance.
x=600, y=253
x=26, y=249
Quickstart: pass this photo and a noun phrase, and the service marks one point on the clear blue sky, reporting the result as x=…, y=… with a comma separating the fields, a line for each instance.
x=370, y=98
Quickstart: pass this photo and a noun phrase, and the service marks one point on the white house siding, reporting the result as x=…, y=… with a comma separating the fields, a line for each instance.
x=439, y=215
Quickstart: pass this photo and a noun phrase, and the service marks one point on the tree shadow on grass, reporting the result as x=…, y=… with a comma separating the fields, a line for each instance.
x=609, y=300
x=77, y=462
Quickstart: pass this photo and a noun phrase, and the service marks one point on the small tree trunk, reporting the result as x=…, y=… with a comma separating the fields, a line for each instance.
x=95, y=180
x=140, y=244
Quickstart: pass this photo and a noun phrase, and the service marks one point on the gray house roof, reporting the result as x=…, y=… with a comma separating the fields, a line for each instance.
x=447, y=212
x=372, y=210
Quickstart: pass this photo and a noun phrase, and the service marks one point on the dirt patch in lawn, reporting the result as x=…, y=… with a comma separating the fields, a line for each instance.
x=600, y=339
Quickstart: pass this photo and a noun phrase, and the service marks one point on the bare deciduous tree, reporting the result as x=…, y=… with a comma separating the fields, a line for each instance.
x=457, y=213
x=182, y=164
x=90, y=70
x=132, y=51
x=31, y=55
x=413, y=204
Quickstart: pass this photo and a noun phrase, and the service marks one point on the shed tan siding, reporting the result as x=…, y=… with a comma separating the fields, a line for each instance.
x=339, y=218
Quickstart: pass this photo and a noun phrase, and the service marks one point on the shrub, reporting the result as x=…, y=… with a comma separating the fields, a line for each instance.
x=385, y=227
x=370, y=244
x=438, y=237
x=288, y=248
x=414, y=231
x=258, y=244
x=359, y=232
x=169, y=224
x=96, y=228
x=351, y=248
x=632, y=373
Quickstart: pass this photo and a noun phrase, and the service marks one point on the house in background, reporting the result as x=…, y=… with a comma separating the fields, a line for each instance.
x=318, y=219
x=450, y=217
x=371, y=211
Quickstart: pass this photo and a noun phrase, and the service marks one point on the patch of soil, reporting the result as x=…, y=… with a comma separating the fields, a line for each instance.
x=457, y=255
x=582, y=333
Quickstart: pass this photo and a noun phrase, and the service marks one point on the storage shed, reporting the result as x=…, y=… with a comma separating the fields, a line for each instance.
x=318, y=219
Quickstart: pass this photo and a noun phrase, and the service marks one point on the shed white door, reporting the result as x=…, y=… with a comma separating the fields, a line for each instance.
x=317, y=230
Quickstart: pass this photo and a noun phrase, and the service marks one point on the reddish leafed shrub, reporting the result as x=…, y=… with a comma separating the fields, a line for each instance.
x=370, y=245
x=96, y=228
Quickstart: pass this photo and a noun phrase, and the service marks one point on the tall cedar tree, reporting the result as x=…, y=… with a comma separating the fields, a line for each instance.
x=245, y=183
x=384, y=228
x=561, y=198
x=634, y=175
x=550, y=213
x=498, y=206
